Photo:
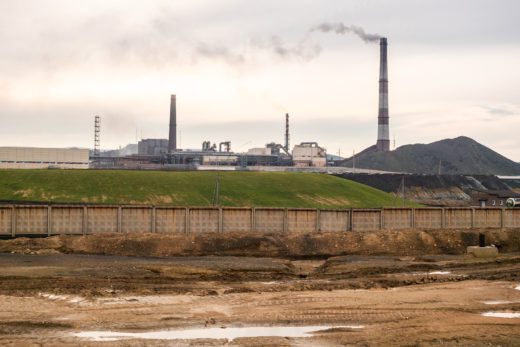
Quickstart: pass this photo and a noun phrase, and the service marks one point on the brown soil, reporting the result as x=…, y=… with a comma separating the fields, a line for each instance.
x=415, y=300
x=291, y=245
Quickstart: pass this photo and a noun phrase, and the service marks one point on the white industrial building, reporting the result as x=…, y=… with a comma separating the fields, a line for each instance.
x=309, y=154
x=43, y=158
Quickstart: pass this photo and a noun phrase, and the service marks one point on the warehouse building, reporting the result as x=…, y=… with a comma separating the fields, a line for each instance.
x=309, y=154
x=43, y=158
x=152, y=147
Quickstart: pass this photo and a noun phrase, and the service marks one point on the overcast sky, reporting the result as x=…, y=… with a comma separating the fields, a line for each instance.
x=238, y=66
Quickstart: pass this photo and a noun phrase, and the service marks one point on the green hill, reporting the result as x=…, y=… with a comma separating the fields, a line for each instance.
x=276, y=189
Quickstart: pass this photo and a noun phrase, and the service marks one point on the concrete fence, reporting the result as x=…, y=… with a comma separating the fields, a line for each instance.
x=72, y=219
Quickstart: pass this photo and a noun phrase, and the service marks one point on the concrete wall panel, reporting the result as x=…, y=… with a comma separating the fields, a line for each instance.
x=488, y=218
x=204, y=220
x=426, y=218
x=397, y=219
x=366, y=220
x=458, y=218
x=6, y=217
x=170, y=220
x=67, y=220
x=269, y=220
x=102, y=220
x=236, y=220
x=31, y=219
x=302, y=221
x=334, y=220
x=512, y=218
x=136, y=220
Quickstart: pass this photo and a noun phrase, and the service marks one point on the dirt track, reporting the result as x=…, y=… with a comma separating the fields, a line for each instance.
x=400, y=300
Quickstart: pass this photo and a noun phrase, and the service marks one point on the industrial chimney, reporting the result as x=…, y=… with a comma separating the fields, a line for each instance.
x=383, y=136
x=172, y=144
x=286, y=146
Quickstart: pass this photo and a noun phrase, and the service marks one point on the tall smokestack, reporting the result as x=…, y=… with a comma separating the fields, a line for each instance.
x=287, y=132
x=172, y=144
x=383, y=136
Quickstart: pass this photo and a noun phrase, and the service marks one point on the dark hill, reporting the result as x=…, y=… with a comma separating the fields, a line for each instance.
x=461, y=155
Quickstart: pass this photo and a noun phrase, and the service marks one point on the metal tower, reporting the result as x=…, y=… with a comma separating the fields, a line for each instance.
x=97, y=131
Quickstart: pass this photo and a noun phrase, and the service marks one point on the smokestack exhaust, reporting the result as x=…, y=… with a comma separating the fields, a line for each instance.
x=383, y=133
x=286, y=132
x=172, y=144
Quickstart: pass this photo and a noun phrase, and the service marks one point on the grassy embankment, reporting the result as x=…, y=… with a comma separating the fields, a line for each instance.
x=275, y=189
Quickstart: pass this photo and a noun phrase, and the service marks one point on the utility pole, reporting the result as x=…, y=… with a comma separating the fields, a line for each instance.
x=216, y=190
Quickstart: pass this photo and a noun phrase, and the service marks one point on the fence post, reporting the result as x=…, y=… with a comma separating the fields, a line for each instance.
x=253, y=220
x=84, y=227
x=443, y=219
x=220, y=220
x=119, y=219
x=49, y=220
x=187, y=221
x=153, y=219
x=318, y=214
x=13, y=221
x=413, y=218
x=502, y=222
x=351, y=220
x=382, y=219
x=473, y=218
x=285, y=220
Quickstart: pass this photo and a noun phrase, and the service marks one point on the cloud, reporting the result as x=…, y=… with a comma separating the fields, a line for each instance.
x=502, y=110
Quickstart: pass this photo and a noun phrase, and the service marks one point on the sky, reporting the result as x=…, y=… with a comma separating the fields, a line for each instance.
x=238, y=66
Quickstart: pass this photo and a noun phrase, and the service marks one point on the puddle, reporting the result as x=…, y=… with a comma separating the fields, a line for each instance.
x=433, y=273
x=439, y=273
x=502, y=314
x=499, y=302
x=54, y=297
x=212, y=333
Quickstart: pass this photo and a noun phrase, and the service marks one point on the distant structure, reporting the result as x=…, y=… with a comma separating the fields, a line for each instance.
x=383, y=133
x=286, y=145
x=309, y=154
x=172, y=145
x=154, y=147
x=97, y=133
x=43, y=158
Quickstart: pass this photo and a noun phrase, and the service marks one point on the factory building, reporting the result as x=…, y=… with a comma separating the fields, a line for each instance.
x=43, y=158
x=309, y=154
x=259, y=151
x=154, y=147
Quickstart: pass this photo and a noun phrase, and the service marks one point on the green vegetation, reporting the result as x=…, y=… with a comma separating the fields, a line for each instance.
x=276, y=189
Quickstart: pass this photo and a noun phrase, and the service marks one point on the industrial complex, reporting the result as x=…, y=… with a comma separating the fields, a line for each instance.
x=164, y=153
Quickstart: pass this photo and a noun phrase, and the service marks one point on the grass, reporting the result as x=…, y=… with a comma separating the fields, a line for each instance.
x=274, y=189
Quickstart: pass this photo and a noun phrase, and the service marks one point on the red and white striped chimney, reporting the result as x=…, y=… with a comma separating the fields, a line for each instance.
x=383, y=131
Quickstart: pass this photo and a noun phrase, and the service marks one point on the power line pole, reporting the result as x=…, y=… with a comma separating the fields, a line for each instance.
x=216, y=190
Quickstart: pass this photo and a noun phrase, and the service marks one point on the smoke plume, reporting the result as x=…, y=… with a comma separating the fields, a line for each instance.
x=301, y=50
x=342, y=29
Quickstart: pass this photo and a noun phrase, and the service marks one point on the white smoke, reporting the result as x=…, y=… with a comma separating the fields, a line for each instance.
x=342, y=29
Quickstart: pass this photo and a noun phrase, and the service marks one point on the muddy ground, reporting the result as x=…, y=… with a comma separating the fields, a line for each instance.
x=49, y=292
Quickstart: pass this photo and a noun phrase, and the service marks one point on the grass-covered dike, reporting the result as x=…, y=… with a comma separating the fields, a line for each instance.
x=194, y=188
